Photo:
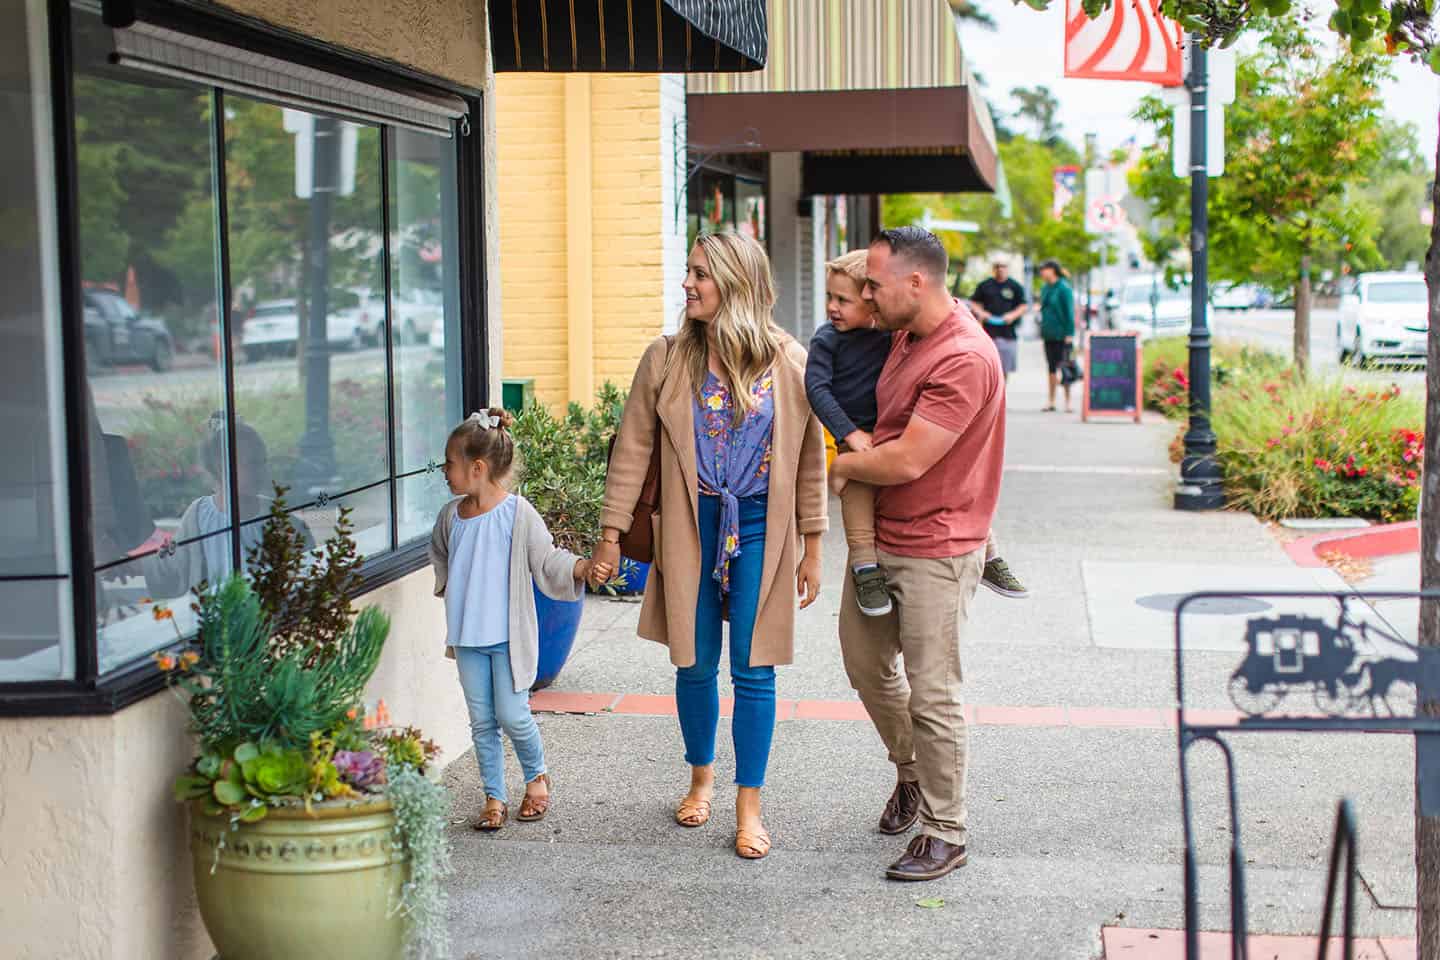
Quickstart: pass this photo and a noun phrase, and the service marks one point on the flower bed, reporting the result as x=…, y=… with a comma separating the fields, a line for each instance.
x=1288, y=448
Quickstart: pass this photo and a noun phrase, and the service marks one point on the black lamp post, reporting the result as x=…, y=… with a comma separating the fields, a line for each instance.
x=315, y=472
x=1199, y=487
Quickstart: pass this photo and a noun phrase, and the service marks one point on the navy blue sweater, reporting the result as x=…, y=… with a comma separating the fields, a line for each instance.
x=841, y=374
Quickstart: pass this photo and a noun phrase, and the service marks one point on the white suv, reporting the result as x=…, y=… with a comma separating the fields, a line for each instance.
x=1384, y=317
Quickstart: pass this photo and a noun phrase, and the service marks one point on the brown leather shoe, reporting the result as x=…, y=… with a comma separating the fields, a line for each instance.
x=902, y=809
x=927, y=858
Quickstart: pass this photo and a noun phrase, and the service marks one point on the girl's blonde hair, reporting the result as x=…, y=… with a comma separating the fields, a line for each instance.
x=486, y=436
x=747, y=341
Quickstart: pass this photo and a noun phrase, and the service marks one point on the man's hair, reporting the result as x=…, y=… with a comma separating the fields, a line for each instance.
x=851, y=265
x=918, y=247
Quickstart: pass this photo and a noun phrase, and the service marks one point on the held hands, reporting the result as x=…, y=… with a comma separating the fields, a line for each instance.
x=593, y=572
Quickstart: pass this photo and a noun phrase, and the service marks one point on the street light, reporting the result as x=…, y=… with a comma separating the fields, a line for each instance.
x=1199, y=487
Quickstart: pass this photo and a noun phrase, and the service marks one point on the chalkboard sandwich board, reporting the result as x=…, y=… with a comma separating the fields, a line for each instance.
x=1114, y=378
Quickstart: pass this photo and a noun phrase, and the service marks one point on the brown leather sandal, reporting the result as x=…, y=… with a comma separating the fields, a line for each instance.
x=751, y=844
x=491, y=817
x=533, y=809
x=692, y=812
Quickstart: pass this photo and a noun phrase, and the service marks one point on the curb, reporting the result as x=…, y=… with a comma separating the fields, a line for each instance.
x=1381, y=541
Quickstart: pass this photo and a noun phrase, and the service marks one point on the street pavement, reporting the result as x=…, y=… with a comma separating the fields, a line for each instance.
x=1074, y=795
x=1274, y=331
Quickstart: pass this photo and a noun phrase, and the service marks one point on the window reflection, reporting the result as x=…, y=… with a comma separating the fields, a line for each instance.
x=156, y=423
x=34, y=563
x=306, y=254
x=425, y=292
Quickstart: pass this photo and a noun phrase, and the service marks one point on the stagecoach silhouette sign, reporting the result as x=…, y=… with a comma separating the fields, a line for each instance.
x=1345, y=670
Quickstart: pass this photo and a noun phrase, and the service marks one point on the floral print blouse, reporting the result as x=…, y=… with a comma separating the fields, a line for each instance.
x=733, y=462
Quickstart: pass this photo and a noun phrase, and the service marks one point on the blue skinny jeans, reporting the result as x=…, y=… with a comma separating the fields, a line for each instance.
x=494, y=705
x=697, y=694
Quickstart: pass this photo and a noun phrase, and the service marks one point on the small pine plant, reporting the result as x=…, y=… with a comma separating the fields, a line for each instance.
x=304, y=593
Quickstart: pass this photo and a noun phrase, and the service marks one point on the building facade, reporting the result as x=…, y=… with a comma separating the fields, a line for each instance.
x=251, y=243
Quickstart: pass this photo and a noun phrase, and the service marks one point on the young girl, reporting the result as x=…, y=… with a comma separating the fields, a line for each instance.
x=489, y=548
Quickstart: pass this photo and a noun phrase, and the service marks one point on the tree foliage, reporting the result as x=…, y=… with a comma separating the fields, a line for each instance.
x=1031, y=230
x=1301, y=139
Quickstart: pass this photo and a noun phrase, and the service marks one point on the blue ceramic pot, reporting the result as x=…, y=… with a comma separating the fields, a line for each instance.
x=559, y=621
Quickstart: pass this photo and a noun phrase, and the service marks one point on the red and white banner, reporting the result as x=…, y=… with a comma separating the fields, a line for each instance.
x=1130, y=41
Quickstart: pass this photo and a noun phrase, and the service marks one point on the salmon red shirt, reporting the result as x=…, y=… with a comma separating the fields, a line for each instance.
x=952, y=379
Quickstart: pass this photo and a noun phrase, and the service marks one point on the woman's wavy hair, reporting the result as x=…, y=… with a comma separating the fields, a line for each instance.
x=746, y=338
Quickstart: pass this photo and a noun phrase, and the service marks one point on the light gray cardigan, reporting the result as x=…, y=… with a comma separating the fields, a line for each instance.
x=535, y=561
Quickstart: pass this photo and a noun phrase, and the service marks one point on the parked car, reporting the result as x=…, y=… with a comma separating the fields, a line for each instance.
x=1238, y=296
x=368, y=313
x=116, y=333
x=273, y=327
x=1149, y=305
x=419, y=312
x=1384, y=317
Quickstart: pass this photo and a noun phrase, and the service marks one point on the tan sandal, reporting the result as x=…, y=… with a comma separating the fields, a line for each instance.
x=491, y=817
x=533, y=809
x=692, y=812
x=751, y=844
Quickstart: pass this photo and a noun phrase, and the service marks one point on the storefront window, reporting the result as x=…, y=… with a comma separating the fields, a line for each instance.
x=424, y=289
x=35, y=633
x=199, y=206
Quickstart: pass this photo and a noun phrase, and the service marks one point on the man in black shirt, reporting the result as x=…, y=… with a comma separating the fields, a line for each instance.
x=999, y=303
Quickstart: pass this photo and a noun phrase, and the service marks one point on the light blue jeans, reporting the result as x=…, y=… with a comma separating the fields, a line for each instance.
x=494, y=705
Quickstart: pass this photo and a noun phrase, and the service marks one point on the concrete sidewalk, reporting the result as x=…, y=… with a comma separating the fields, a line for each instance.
x=1074, y=801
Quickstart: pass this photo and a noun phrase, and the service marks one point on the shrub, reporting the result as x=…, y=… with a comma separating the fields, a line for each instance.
x=1167, y=370
x=1319, y=448
x=564, y=484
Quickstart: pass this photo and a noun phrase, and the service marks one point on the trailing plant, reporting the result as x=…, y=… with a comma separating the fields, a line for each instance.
x=421, y=808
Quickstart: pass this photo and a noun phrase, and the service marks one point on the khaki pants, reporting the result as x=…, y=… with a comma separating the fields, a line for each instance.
x=906, y=668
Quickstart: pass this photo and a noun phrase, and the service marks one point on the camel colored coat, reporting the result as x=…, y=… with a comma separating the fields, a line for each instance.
x=797, y=502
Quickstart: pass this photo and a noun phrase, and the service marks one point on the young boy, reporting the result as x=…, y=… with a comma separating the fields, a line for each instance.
x=846, y=357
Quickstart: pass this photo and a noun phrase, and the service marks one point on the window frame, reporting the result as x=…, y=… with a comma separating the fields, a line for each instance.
x=89, y=692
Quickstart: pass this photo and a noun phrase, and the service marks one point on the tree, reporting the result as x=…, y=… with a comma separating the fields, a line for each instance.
x=1302, y=137
x=1408, y=31
x=1031, y=230
x=1396, y=195
x=1041, y=107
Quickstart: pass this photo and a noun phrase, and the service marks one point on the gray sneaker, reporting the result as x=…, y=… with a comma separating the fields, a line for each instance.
x=998, y=577
x=872, y=591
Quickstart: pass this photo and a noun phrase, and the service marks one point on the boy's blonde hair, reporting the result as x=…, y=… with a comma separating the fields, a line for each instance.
x=850, y=264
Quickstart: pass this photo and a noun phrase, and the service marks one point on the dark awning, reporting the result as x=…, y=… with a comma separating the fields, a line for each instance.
x=617, y=36
x=875, y=94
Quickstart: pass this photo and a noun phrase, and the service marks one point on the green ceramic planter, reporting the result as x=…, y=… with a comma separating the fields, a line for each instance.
x=298, y=885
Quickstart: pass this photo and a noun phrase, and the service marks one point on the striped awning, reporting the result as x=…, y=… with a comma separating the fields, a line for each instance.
x=875, y=93
x=615, y=36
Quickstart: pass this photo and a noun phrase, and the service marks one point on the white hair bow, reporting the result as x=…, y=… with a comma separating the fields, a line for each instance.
x=487, y=421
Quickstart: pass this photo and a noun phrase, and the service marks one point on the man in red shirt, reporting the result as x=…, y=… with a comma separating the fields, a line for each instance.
x=938, y=456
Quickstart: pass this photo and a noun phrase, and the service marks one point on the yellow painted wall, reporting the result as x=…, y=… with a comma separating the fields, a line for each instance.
x=626, y=205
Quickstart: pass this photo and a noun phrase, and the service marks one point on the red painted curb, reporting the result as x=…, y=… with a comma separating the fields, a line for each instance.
x=1382, y=541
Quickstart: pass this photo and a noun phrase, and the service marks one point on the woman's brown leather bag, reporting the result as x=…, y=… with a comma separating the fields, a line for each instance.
x=638, y=543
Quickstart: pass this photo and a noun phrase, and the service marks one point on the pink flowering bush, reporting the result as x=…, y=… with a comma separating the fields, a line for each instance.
x=1320, y=448
x=1290, y=448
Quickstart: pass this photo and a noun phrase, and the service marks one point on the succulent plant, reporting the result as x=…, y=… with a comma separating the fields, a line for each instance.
x=360, y=768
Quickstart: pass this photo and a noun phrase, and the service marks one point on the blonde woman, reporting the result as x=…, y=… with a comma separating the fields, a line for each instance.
x=742, y=485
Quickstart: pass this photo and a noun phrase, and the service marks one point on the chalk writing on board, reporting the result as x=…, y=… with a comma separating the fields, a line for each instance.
x=1113, y=374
